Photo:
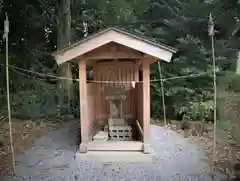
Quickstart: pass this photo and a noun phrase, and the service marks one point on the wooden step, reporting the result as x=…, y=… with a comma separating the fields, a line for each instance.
x=116, y=156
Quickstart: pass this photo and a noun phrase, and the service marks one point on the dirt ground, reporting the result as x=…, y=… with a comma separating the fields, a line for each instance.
x=25, y=132
x=224, y=162
x=54, y=158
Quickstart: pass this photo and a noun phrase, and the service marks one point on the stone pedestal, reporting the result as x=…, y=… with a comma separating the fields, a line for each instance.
x=116, y=122
x=101, y=136
x=122, y=133
x=118, y=127
x=115, y=108
x=115, y=97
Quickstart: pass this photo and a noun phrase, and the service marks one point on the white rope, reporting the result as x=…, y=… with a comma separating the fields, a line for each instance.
x=106, y=82
x=24, y=75
x=41, y=74
x=187, y=76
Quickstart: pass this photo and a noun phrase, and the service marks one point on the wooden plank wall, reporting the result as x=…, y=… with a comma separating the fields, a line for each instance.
x=114, y=71
x=139, y=103
x=92, y=126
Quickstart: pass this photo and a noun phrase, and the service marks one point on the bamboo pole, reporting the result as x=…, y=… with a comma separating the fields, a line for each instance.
x=211, y=33
x=215, y=103
x=6, y=31
x=162, y=92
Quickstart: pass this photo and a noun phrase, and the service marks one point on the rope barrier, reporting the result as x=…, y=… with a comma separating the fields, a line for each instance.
x=14, y=68
x=24, y=75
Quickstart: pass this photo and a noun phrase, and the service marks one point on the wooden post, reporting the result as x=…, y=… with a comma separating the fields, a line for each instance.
x=163, y=95
x=83, y=107
x=146, y=106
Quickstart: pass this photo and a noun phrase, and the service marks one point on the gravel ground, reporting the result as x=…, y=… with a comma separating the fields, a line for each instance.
x=53, y=159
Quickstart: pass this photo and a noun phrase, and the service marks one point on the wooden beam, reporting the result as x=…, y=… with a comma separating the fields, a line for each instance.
x=150, y=58
x=112, y=55
x=112, y=51
x=138, y=63
x=84, y=122
x=115, y=146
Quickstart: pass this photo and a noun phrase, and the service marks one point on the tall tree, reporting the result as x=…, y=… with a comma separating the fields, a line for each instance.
x=64, y=39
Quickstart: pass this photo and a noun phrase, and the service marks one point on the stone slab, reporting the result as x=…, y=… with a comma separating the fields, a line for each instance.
x=121, y=138
x=116, y=122
x=101, y=135
x=129, y=134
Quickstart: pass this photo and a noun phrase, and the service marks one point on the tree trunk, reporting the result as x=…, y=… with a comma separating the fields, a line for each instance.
x=64, y=38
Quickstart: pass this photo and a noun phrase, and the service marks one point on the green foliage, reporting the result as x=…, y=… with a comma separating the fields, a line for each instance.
x=183, y=25
x=35, y=100
x=200, y=111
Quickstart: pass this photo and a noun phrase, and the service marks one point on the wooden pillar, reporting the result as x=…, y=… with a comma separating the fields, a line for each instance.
x=83, y=107
x=146, y=106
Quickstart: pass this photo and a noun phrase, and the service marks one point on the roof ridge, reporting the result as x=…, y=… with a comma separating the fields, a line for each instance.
x=120, y=30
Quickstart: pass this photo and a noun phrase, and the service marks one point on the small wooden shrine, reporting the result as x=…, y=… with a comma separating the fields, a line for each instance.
x=115, y=105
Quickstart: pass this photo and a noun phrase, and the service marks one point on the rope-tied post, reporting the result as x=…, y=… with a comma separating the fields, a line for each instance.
x=211, y=34
x=162, y=92
x=5, y=36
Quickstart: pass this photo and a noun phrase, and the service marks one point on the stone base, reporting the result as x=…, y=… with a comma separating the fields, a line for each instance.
x=101, y=135
x=147, y=149
x=121, y=133
x=83, y=148
x=117, y=129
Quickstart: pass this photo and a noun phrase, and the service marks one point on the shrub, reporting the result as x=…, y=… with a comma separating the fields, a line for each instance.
x=200, y=111
x=229, y=81
x=34, y=101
